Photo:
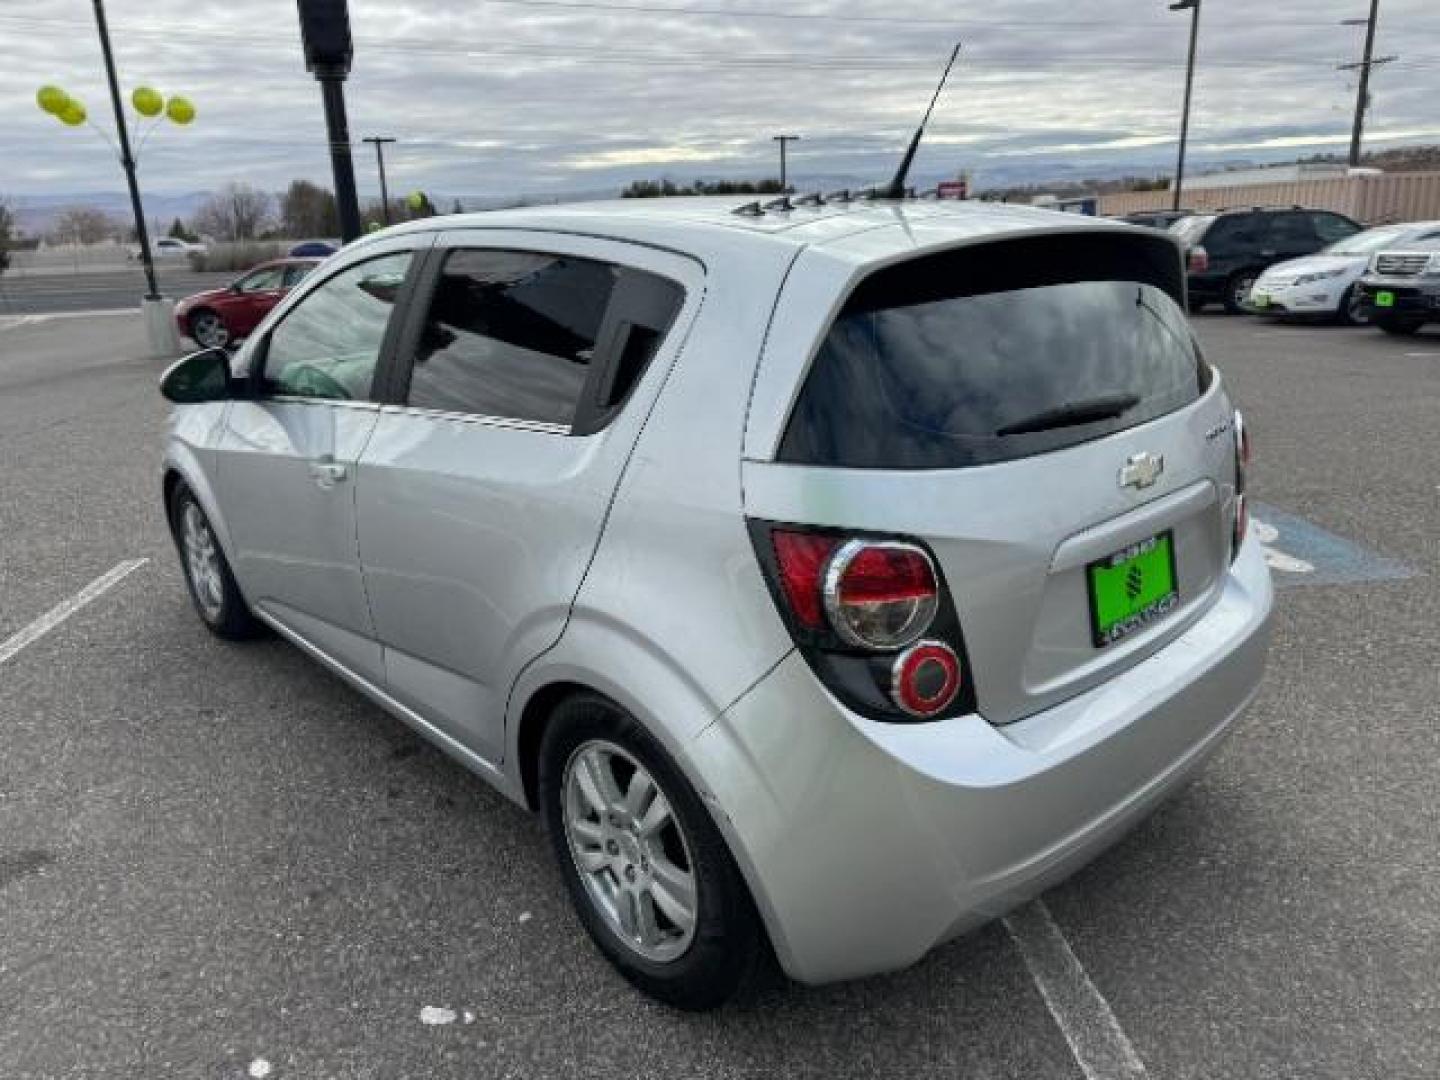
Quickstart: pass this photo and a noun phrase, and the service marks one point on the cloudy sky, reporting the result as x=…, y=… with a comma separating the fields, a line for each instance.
x=504, y=96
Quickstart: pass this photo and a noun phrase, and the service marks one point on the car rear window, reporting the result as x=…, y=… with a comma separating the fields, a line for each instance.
x=973, y=376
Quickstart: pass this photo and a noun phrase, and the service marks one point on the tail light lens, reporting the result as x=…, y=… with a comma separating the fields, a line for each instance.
x=859, y=607
x=1242, y=465
x=1198, y=260
x=880, y=595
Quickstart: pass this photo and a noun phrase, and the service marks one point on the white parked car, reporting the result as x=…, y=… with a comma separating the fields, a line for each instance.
x=1324, y=284
x=168, y=247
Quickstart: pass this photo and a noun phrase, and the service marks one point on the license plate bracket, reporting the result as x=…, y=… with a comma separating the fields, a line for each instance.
x=1132, y=588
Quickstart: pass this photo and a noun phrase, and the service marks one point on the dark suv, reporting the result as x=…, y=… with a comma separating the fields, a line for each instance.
x=1226, y=252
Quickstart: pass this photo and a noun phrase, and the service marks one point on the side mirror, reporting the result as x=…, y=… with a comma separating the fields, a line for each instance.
x=201, y=376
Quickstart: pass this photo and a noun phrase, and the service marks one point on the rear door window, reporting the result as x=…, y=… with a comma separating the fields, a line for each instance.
x=1332, y=227
x=978, y=378
x=516, y=334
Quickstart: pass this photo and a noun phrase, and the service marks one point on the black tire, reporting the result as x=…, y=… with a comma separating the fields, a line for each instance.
x=208, y=329
x=1398, y=327
x=219, y=603
x=1238, y=287
x=727, y=937
x=1351, y=311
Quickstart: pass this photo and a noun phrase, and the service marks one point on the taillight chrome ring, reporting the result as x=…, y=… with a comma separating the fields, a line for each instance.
x=839, y=563
x=908, y=695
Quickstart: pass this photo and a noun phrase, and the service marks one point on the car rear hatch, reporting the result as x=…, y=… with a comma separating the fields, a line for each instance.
x=1036, y=413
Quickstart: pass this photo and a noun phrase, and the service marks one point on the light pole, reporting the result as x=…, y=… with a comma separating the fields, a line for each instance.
x=1362, y=95
x=783, y=140
x=1193, y=6
x=325, y=34
x=380, y=141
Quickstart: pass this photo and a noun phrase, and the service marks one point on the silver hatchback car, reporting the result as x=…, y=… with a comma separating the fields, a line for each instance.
x=831, y=578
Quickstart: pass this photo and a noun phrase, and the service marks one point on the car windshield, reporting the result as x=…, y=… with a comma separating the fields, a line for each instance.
x=1371, y=240
x=1190, y=228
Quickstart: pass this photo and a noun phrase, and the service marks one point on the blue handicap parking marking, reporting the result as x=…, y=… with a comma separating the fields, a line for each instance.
x=1300, y=553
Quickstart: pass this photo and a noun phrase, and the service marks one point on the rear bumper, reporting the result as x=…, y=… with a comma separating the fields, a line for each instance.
x=867, y=844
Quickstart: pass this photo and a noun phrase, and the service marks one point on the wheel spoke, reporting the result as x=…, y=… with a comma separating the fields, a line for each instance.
x=596, y=783
x=656, y=817
x=638, y=795
x=674, y=892
x=647, y=928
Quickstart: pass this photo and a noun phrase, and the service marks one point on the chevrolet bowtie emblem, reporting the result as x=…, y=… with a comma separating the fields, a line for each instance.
x=1141, y=470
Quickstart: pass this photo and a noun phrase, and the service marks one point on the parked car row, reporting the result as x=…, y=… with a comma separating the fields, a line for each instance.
x=1299, y=263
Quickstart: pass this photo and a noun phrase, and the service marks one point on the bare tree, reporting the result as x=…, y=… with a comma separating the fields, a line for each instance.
x=308, y=209
x=235, y=212
x=84, y=225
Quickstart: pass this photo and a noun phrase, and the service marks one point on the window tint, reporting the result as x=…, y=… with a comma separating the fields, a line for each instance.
x=327, y=346
x=1332, y=227
x=512, y=334
x=262, y=280
x=975, y=379
x=295, y=273
x=1290, y=232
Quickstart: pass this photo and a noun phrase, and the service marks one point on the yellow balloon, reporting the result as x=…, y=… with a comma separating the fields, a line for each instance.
x=416, y=199
x=73, y=113
x=147, y=101
x=51, y=99
x=179, y=110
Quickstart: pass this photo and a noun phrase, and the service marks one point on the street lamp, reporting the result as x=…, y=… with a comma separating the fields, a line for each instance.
x=1193, y=6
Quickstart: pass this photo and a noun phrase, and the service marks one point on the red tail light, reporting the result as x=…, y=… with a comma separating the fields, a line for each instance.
x=1242, y=464
x=880, y=595
x=801, y=558
x=857, y=607
x=925, y=678
x=1198, y=261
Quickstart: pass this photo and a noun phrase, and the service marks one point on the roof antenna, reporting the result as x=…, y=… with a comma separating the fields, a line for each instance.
x=896, y=190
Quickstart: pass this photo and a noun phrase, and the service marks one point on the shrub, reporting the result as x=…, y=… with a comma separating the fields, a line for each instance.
x=236, y=256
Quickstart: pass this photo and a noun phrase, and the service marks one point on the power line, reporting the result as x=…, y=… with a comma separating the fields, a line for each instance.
x=707, y=59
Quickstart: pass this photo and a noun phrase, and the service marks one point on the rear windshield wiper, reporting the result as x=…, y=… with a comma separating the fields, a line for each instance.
x=1073, y=413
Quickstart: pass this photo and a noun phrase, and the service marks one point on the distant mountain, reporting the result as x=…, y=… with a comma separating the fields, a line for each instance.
x=35, y=215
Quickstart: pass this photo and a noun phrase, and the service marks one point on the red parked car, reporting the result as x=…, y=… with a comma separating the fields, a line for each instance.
x=218, y=317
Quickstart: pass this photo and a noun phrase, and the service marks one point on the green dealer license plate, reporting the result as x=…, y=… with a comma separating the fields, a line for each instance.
x=1132, y=588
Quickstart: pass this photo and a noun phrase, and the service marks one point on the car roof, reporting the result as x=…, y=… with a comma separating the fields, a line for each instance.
x=691, y=223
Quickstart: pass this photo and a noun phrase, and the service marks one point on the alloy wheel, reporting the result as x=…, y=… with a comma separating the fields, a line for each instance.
x=209, y=330
x=630, y=850
x=202, y=561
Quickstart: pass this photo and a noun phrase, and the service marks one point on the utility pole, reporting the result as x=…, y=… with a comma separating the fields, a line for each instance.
x=127, y=159
x=1362, y=95
x=1192, y=6
x=380, y=141
x=783, y=140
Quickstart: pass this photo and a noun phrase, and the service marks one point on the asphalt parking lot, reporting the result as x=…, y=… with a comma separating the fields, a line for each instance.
x=218, y=861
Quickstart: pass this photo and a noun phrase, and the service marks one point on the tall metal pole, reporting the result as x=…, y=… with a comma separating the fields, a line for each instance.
x=1194, y=8
x=380, y=141
x=127, y=159
x=1362, y=95
x=782, y=140
x=332, y=88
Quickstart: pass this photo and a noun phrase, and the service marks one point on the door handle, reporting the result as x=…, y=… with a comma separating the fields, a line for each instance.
x=327, y=472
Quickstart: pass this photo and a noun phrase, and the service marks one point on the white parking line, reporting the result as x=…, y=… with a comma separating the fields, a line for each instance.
x=63, y=610
x=1100, y=1045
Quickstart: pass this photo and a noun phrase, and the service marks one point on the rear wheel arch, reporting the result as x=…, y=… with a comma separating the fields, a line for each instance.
x=534, y=717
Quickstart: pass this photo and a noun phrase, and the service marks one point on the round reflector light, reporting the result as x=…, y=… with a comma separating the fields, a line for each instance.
x=925, y=678
x=880, y=595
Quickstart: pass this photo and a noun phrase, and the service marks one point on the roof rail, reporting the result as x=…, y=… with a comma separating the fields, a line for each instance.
x=781, y=204
x=749, y=209
x=843, y=195
x=812, y=199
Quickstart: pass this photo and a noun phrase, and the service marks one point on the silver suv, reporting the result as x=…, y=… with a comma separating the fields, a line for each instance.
x=830, y=578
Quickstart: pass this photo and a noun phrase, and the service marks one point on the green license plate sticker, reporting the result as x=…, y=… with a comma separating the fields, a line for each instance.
x=1384, y=299
x=1132, y=588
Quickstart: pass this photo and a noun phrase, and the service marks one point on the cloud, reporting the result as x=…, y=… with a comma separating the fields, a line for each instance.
x=509, y=96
